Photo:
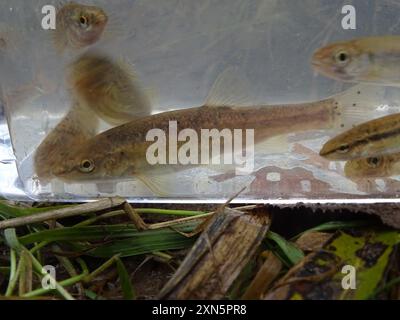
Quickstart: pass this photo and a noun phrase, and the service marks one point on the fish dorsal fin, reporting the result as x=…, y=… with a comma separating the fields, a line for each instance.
x=230, y=89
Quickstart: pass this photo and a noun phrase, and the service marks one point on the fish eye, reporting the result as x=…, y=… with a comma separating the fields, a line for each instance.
x=86, y=166
x=83, y=21
x=342, y=57
x=343, y=149
x=374, y=162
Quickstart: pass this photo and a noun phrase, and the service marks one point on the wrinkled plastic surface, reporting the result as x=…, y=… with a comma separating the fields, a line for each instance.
x=179, y=47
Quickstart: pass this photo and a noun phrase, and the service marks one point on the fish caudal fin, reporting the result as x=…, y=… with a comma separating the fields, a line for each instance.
x=358, y=104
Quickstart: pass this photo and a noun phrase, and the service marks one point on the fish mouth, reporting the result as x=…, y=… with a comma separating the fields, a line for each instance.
x=323, y=69
x=330, y=154
x=326, y=150
x=316, y=63
x=325, y=153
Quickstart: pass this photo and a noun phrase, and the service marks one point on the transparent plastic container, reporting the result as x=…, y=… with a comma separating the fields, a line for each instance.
x=179, y=48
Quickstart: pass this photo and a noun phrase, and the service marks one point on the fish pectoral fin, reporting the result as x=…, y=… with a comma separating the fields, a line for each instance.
x=159, y=185
x=230, y=89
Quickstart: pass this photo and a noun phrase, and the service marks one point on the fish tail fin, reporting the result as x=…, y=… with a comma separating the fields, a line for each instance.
x=357, y=105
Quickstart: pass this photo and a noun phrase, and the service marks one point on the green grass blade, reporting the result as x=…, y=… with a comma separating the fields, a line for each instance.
x=96, y=233
x=124, y=279
x=10, y=211
x=292, y=253
x=65, y=283
x=146, y=243
x=13, y=242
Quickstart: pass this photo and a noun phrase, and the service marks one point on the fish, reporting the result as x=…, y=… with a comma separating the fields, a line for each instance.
x=73, y=130
x=371, y=59
x=373, y=167
x=369, y=139
x=111, y=89
x=78, y=26
x=120, y=152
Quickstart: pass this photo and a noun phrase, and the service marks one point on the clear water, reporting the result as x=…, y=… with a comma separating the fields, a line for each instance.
x=179, y=47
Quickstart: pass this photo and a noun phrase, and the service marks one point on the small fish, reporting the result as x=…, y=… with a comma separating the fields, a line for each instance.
x=109, y=88
x=369, y=139
x=78, y=26
x=374, y=60
x=120, y=152
x=73, y=130
x=373, y=167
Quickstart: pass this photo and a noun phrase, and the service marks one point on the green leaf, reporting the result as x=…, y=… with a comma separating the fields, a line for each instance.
x=9, y=211
x=14, y=243
x=370, y=254
x=141, y=245
x=125, y=239
x=12, y=240
x=91, y=295
x=95, y=233
x=289, y=249
x=367, y=256
x=124, y=279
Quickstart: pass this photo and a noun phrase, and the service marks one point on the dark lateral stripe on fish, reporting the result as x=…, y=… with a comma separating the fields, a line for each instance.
x=372, y=138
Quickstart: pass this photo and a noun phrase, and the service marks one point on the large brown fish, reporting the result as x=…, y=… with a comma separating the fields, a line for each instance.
x=120, y=152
